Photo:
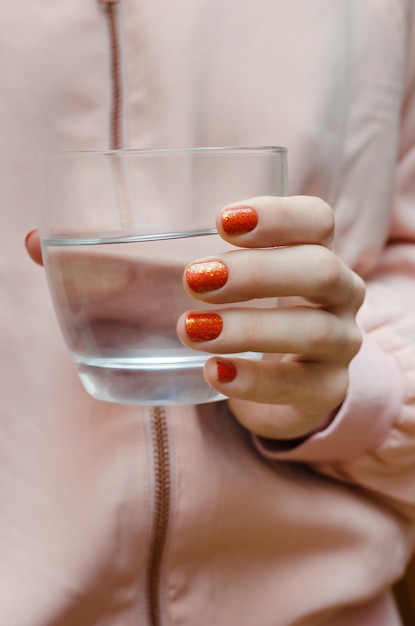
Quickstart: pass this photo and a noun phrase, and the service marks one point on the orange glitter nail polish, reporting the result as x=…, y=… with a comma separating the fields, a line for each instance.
x=206, y=276
x=239, y=220
x=226, y=371
x=203, y=326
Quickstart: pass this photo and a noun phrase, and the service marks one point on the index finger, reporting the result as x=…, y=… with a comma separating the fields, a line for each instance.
x=269, y=221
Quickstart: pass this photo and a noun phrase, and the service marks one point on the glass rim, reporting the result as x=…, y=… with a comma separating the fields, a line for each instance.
x=282, y=150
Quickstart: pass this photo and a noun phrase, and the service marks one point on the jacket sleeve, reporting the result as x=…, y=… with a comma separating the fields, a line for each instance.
x=371, y=441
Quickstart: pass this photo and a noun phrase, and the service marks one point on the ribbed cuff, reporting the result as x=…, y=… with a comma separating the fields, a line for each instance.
x=373, y=403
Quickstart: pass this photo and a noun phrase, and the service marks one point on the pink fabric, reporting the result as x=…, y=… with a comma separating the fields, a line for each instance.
x=380, y=612
x=299, y=538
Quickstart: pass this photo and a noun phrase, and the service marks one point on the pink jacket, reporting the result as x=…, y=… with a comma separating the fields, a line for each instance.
x=114, y=515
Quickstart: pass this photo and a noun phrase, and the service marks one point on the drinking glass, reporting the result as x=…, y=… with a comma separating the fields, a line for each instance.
x=117, y=231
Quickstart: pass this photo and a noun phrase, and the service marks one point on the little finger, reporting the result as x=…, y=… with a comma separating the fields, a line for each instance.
x=278, y=399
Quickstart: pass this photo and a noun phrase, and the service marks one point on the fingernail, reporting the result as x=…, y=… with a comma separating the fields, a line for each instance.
x=226, y=371
x=29, y=234
x=206, y=276
x=203, y=326
x=239, y=220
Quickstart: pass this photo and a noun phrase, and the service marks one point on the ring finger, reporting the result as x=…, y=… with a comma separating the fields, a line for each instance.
x=313, y=333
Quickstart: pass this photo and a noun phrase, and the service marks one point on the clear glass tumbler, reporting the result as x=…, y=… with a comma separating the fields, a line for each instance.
x=117, y=230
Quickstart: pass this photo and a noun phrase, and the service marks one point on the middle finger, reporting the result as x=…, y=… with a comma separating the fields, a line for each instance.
x=309, y=271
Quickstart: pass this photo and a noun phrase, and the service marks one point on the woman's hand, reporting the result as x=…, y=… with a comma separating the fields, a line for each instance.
x=308, y=340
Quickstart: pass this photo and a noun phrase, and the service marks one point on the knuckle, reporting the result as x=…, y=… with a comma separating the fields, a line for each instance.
x=355, y=341
x=350, y=341
x=334, y=277
x=348, y=344
x=330, y=335
x=329, y=274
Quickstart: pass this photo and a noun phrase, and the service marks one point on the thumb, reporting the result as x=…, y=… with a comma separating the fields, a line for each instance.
x=32, y=244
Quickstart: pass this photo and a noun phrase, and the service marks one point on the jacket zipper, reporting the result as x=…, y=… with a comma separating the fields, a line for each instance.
x=162, y=489
x=116, y=130
x=162, y=493
x=117, y=140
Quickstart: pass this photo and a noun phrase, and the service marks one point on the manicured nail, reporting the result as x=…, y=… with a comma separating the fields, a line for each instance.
x=239, y=220
x=203, y=326
x=226, y=371
x=206, y=276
